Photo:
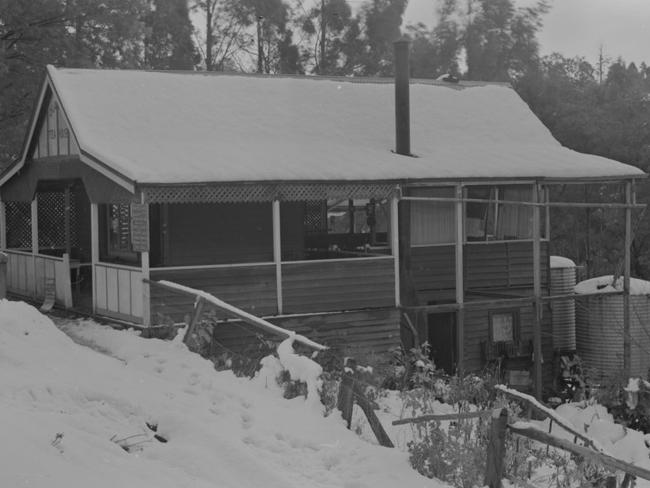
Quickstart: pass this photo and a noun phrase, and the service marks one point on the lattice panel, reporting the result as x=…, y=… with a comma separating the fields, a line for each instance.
x=19, y=227
x=264, y=192
x=52, y=221
x=315, y=220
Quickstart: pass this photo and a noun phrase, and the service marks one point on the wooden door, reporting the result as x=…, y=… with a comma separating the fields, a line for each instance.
x=441, y=335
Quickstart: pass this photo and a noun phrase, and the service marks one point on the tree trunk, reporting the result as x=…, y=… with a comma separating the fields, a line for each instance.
x=209, y=37
x=260, y=47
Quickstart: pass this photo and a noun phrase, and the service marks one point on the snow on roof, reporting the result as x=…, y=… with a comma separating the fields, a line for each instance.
x=561, y=262
x=603, y=284
x=156, y=127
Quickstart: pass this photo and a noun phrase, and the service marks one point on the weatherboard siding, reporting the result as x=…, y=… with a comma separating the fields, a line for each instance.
x=433, y=267
x=363, y=334
x=502, y=264
x=54, y=137
x=251, y=288
x=334, y=285
x=486, y=265
x=476, y=332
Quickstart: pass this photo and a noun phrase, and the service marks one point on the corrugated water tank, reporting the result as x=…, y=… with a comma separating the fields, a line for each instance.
x=599, y=327
x=563, y=281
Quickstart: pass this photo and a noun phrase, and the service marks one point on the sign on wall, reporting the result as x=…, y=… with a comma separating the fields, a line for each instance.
x=140, y=227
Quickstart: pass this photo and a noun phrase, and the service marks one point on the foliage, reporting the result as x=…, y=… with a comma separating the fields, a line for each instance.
x=168, y=42
x=497, y=40
x=455, y=451
x=604, y=119
x=629, y=408
x=573, y=380
x=462, y=460
x=412, y=368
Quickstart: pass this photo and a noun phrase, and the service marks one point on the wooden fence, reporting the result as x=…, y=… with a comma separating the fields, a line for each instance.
x=582, y=445
x=118, y=291
x=39, y=276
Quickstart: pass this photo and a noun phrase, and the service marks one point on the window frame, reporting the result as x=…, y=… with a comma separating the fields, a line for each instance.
x=493, y=215
x=516, y=325
x=113, y=251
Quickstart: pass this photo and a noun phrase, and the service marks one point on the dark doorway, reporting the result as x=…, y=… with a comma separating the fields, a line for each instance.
x=441, y=335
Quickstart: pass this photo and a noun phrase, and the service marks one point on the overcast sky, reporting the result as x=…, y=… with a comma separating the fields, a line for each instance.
x=580, y=27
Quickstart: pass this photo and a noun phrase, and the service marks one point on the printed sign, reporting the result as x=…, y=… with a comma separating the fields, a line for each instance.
x=140, y=227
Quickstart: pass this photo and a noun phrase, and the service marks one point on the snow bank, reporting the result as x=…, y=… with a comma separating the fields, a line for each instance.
x=220, y=430
x=561, y=262
x=603, y=284
x=302, y=369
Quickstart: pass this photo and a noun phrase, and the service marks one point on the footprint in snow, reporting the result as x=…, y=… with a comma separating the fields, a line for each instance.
x=246, y=420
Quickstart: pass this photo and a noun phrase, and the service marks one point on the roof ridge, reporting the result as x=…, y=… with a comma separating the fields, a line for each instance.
x=348, y=79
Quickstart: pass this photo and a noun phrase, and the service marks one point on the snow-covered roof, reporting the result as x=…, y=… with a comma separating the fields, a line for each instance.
x=561, y=262
x=156, y=127
x=604, y=284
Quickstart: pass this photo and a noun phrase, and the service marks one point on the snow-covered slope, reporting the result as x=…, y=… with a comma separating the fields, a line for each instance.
x=65, y=408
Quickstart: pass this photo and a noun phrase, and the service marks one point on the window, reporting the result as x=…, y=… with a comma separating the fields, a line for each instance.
x=118, y=233
x=496, y=219
x=333, y=229
x=504, y=326
x=433, y=222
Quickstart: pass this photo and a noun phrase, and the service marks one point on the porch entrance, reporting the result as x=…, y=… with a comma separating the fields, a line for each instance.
x=441, y=335
x=64, y=228
x=56, y=264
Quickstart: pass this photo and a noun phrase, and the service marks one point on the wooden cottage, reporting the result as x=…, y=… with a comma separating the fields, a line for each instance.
x=285, y=197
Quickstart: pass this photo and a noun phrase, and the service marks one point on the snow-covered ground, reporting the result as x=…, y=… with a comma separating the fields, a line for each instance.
x=82, y=404
x=66, y=407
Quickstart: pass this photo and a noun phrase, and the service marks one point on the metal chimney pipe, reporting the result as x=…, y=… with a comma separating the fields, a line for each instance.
x=402, y=103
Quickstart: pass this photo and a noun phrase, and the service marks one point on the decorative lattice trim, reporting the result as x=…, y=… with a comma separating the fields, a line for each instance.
x=263, y=192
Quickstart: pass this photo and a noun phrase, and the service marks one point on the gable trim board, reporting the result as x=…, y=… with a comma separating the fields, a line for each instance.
x=48, y=94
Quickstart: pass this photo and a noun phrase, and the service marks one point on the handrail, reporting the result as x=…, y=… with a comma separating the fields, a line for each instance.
x=158, y=269
x=119, y=266
x=237, y=312
x=364, y=258
x=29, y=254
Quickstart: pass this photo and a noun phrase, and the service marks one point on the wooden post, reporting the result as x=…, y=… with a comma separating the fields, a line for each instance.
x=277, y=253
x=34, y=223
x=627, y=480
x=349, y=392
x=3, y=275
x=94, y=250
x=375, y=424
x=3, y=226
x=66, y=218
x=460, y=282
x=547, y=213
x=146, y=289
x=394, y=243
x=496, y=449
x=3, y=245
x=345, y=399
x=626, y=281
x=196, y=318
x=67, y=285
x=537, y=292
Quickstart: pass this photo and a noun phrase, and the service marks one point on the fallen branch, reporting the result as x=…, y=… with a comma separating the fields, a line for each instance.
x=237, y=312
x=552, y=414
